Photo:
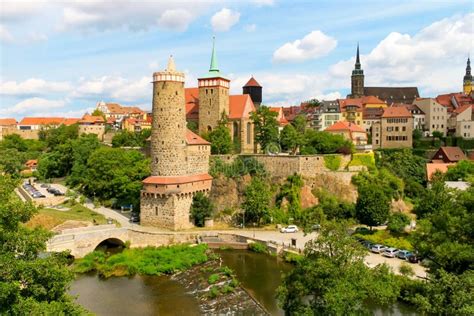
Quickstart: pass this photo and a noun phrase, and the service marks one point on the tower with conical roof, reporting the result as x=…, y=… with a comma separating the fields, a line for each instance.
x=357, y=78
x=179, y=158
x=467, y=82
x=213, y=96
x=254, y=89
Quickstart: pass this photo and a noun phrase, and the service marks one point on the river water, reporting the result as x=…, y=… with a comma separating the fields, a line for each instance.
x=259, y=274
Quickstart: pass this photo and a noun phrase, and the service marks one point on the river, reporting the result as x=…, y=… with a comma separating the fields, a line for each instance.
x=259, y=274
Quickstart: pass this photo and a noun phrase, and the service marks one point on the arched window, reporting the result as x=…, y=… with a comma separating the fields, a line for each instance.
x=249, y=133
x=235, y=127
x=209, y=128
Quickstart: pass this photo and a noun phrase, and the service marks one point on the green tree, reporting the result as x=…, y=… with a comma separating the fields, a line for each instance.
x=463, y=170
x=324, y=143
x=332, y=278
x=397, y=222
x=98, y=112
x=14, y=141
x=82, y=148
x=29, y=284
x=193, y=126
x=291, y=192
x=256, y=204
x=265, y=126
x=54, y=137
x=12, y=161
x=290, y=139
x=373, y=206
x=115, y=173
x=300, y=123
x=201, y=209
x=220, y=139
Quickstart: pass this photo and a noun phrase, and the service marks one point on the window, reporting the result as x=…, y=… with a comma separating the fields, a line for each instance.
x=156, y=210
x=249, y=134
x=404, y=129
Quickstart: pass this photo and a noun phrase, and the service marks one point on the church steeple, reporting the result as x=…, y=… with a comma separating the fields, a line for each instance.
x=357, y=78
x=467, y=82
x=214, y=68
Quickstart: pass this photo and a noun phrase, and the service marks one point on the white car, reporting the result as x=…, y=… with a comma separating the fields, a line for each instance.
x=378, y=248
x=390, y=252
x=289, y=229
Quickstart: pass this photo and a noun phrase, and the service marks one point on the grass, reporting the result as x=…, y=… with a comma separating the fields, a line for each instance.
x=145, y=261
x=49, y=218
x=258, y=247
x=332, y=162
x=362, y=159
x=386, y=238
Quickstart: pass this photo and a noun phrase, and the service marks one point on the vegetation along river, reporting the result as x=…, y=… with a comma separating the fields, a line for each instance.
x=258, y=273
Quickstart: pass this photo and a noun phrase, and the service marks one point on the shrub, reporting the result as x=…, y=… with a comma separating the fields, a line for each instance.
x=406, y=270
x=214, y=292
x=213, y=278
x=258, y=247
x=332, y=162
x=227, y=271
x=397, y=222
x=385, y=238
x=361, y=159
x=291, y=257
x=201, y=209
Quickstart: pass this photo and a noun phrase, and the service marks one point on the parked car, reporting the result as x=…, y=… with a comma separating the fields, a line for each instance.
x=377, y=248
x=135, y=218
x=38, y=195
x=289, y=229
x=367, y=244
x=414, y=258
x=390, y=252
x=315, y=227
x=45, y=185
x=403, y=254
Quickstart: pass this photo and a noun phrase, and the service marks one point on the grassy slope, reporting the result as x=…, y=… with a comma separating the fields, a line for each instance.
x=49, y=218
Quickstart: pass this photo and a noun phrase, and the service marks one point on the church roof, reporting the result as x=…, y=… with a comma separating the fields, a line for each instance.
x=240, y=106
x=393, y=94
x=214, y=68
x=252, y=83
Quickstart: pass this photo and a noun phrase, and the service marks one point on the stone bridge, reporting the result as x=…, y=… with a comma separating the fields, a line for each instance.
x=81, y=241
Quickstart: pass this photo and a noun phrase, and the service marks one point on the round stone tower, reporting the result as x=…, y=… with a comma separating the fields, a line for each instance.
x=168, y=136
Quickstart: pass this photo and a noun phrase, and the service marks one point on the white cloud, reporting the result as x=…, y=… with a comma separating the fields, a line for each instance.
x=5, y=35
x=32, y=106
x=33, y=86
x=178, y=19
x=223, y=20
x=313, y=45
x=250, y=27
x=432, y=59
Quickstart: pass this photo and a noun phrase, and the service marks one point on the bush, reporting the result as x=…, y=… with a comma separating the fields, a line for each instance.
x=332, y=162
x=360, y=159
x=201, y=209
x=258, y=247
x=213, y=278
x=385, y=238
x=397, y=222
x=406, y=270
x=293, y=258
x=214, y=292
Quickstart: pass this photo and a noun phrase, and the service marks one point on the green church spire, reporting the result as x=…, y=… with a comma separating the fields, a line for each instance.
x=214, y=66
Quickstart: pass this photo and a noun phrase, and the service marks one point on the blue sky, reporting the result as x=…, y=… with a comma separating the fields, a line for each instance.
x=61, y=57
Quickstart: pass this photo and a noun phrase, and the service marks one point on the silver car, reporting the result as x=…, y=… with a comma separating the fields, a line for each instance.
x=377, y=248
x=390, y=252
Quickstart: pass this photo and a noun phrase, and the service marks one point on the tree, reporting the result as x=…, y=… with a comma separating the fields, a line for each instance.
x=256, y=204
x=29, y=283
x=56, y=136
x=463, y=170
x=201, y=209
x=332, y=278
x=98, y=112
x=193, y=126
x=291, y=192
x=220, y=139
x=11, y=161
x=265, y=126
x=14, y=141
x=82, y=148
x=300, y=123
x=324, y=143
x=397, y=222
x=373, y=206
x=290, y=139
x=115, y=173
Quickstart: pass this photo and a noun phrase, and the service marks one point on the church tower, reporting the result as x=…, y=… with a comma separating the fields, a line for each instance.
x=213, y=96
x=467, y=82
x=357, y=78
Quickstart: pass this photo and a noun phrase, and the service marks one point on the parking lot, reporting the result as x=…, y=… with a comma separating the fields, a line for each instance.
x=43, y=194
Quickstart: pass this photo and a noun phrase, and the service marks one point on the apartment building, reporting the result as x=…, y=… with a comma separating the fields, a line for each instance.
x=436, y=115
x=394, y=130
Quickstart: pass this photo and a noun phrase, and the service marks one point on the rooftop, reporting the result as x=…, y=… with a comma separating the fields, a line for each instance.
x=396, y=111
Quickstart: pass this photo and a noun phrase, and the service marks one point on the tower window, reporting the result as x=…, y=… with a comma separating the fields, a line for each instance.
x=176, y=92
x=156, y=210
x=162, y=143
x=212, y=91
x=206, y=91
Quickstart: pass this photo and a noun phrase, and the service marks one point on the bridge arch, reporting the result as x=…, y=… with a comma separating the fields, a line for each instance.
x=109, y=243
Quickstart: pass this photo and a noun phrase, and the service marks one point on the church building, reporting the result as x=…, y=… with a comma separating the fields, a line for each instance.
x=210, y=101
x=390, y=95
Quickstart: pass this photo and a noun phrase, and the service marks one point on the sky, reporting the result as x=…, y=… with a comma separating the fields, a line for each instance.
x=59, y=58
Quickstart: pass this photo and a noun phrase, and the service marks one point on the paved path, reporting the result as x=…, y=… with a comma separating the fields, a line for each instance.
x=109, y=213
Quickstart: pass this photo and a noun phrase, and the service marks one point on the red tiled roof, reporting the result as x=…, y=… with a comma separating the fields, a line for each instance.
x=191, y=96
x=453, y=153
x=396, y=111
x=431, y=168
x=92, y=119
x=7, y=121
x=70, y=121
x=252, y=83
x=177, y=179
x=32, y=162
x=292, y=111
x=460, y=99
x=194, y=139
x=46, y=121
x=463, y=108
x=372, y=113
x=240, y=106
x=345, y=126
x=115, y=108
x=281, y=115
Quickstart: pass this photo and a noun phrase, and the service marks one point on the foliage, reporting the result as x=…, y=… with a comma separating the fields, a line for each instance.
x=332, y=162
x=265, y=126
x=256, y=204
x=82, y=148
x=220, y=139
x=98, y=112
x=363, y=159
x=290, y=139
x=382, y=179
x=193, y=126
x=324, y=143
x=292, y=257
x=463, y=170
x=299, y=122
x=372, y=207
x=15, y=151
x=201, y=209
x=258, y=247
x=54, y=137
x=147, y=261
x=332, y=278
x=48, y=218
x=384, y=237
x=115, y=173
x=239, y=167
x=445, y=235
x=333, y=207
x=213, y=278
x=125, y=138
x=406, y=270
x=29, y=283
x=402, y=162
x=291, y=192
x=397, y=222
